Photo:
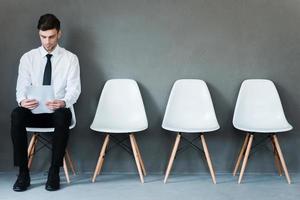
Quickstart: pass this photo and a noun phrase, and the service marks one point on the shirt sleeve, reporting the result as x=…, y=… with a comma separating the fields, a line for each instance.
x=73, y=88
x=23, y=80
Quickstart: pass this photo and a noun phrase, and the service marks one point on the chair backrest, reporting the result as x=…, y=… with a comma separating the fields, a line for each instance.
x=120, y=108
x=258, y=108
x=45, y=130
x=190, y=108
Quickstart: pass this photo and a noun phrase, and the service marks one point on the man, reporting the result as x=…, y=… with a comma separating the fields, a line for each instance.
x=52, y=65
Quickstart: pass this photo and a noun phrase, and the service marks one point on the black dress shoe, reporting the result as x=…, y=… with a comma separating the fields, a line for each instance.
x=53, y=182
x=22, y=182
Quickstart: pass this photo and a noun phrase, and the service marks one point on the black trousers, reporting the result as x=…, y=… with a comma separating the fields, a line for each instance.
x=23, y=117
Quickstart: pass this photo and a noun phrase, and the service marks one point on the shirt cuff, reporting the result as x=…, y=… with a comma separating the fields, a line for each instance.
x=67, y=103
x=19, y=102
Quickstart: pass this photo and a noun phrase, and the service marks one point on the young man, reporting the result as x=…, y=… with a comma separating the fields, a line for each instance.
x=52, y=65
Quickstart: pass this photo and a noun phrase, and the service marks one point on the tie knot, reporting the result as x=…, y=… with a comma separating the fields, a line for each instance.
x=49, y=56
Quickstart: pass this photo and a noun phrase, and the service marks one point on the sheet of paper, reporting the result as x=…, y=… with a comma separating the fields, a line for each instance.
x=42, y=94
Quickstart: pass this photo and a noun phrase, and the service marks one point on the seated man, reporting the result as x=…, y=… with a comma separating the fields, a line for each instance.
x=52, y=65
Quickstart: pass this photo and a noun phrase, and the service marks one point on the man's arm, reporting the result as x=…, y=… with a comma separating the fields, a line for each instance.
x=23, y=82
x=73, y=87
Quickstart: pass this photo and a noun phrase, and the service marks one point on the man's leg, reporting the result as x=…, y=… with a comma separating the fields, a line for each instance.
x=61, y=122
x=19, y=119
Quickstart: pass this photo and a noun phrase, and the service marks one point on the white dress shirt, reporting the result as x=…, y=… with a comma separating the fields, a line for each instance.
x=65, y=74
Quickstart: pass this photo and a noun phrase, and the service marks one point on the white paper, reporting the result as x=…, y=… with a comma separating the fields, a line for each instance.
x=42, y=94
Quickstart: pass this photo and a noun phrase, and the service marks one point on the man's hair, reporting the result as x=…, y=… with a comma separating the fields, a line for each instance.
x=47, y=22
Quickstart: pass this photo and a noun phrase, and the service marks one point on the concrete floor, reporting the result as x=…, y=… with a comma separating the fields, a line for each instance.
x=182, y=187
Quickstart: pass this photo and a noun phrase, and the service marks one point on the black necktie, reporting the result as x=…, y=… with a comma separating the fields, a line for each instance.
x=47, y=72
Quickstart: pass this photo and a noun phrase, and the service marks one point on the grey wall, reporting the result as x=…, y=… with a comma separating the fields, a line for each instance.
x=157, y=42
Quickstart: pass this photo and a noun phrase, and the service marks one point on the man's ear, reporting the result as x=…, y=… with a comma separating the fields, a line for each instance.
x=59, y=34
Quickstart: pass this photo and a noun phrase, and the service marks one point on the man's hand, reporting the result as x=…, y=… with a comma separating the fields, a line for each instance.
x=55, y=104
x=29, y=103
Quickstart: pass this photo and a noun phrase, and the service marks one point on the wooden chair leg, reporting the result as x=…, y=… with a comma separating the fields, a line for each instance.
x=101, y=158
x=212, y=173
x=69, y=161
x=139, y=156
x=277, y=146
x=31, y=149
x=276, y=158
x=242, y=152
x=172, y=157
x=131, y=136
x=31, y=144
x=66, y=170
x=246, y=158
x=101, y=164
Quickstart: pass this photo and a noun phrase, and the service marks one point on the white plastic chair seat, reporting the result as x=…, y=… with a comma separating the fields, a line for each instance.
x=120, y=108
x=51, y=129
x=259, y=109
x=190, y=108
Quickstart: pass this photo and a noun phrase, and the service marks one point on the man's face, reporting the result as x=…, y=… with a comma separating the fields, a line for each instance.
x=49, y=39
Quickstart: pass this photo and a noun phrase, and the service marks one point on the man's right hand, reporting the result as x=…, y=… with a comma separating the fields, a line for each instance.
x=29, y=103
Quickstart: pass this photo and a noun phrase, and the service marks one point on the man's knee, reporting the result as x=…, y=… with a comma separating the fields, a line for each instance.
x=18, y=115
x=62, y=117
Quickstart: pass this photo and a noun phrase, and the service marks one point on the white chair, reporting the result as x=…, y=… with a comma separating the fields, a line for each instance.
x=190, y=110
x=36, y=136
x=258, y=110
x=120, y=111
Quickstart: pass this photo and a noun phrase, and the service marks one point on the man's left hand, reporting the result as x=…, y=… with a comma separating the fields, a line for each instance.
x=55, y=104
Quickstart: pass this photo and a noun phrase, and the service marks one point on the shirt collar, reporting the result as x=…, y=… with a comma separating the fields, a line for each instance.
x=54, y=53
